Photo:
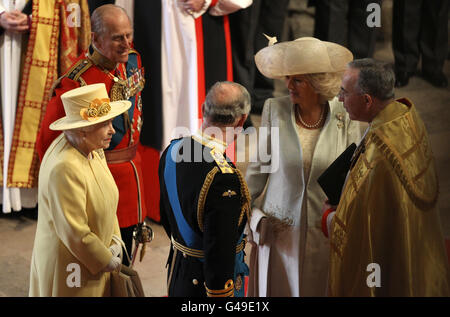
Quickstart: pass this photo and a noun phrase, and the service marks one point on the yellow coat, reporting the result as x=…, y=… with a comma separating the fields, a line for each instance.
x=386, y=238
x=77, y=218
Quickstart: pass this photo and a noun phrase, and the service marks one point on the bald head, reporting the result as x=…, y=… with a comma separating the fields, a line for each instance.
x=225, y=103
x=105, y=15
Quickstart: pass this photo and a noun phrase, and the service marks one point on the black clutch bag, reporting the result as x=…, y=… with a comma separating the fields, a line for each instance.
x=333, y=178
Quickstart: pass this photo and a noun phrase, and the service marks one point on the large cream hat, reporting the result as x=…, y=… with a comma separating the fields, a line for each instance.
x=305, y=55
x=88, y=105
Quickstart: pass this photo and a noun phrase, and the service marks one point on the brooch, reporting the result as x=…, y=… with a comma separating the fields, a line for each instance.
x=340, y=116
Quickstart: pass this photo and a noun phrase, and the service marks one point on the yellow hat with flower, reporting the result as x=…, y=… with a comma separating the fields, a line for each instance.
x=88, y=105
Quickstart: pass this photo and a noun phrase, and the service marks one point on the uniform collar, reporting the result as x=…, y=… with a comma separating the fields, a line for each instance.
x=210, y=141
x=100, y=60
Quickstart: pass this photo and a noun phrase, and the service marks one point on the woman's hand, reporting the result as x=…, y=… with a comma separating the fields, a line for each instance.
x=115, y=249
x=113, y=265
x=115, y=262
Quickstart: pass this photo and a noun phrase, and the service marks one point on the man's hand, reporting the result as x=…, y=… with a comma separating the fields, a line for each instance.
x=14, y=21
x=326, y=206
x=192, y=5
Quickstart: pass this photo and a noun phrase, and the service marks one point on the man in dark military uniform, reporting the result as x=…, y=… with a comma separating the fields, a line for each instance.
x=112, y=61
x=205, y=201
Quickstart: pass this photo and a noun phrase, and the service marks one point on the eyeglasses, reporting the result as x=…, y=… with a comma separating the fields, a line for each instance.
x=344, y=93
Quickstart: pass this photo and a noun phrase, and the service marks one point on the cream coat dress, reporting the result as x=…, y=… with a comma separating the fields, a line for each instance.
x=77, y=218
x=290, y=254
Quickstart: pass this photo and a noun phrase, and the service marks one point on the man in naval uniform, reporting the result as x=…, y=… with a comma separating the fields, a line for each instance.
x=110, y=60
x=205, y=201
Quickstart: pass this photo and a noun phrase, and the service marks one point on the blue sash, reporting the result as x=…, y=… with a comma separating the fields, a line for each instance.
x=190, y=237
x=240, y=268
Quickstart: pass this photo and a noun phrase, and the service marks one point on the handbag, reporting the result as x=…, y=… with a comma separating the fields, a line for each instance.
x=126, y=282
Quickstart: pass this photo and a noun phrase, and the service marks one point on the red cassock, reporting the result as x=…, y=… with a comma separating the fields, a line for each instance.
x=124, y=160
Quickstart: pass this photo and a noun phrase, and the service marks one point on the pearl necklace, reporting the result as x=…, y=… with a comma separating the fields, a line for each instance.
x=312, y=126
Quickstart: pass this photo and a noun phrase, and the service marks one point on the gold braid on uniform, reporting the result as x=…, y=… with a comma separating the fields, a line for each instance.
x=227, y=291
x=118, y=90
x=203, y=193
x=245, y=197
x=73, y=73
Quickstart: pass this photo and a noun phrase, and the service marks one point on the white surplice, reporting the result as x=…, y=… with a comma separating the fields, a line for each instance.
x=179, y=64
x=179, y=72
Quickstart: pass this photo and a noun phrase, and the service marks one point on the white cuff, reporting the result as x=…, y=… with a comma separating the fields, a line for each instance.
x=224, y=7
x=257, y=214
x=329, y=219
x=256, y=217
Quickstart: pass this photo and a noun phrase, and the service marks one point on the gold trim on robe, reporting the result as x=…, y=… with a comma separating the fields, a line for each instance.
x=40, y=70
x=385, y=237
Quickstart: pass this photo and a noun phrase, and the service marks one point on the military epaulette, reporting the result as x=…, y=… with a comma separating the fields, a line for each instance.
x=221, y=162
x=73, y=73
x=78, y=69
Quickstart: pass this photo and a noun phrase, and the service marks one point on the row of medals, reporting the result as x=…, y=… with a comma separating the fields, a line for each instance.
x=123, y=89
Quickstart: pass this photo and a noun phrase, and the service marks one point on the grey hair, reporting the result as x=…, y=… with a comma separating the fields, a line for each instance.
x=376, y=78
x=223, y=104
x=74, y=134
x=97, y=18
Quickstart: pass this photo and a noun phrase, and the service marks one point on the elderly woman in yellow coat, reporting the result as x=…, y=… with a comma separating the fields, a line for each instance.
x=74, y=249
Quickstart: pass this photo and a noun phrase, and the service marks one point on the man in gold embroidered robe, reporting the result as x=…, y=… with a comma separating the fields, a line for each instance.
x=386, y=238
x=34, y=49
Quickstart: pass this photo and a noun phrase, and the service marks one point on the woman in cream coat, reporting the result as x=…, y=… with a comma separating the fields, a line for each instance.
x=289, y=251
x=73, y=249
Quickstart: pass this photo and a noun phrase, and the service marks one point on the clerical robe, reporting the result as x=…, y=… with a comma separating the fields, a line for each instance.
x=386, y=238
x=10, y=53
x=59, y=31
x=195, y=53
